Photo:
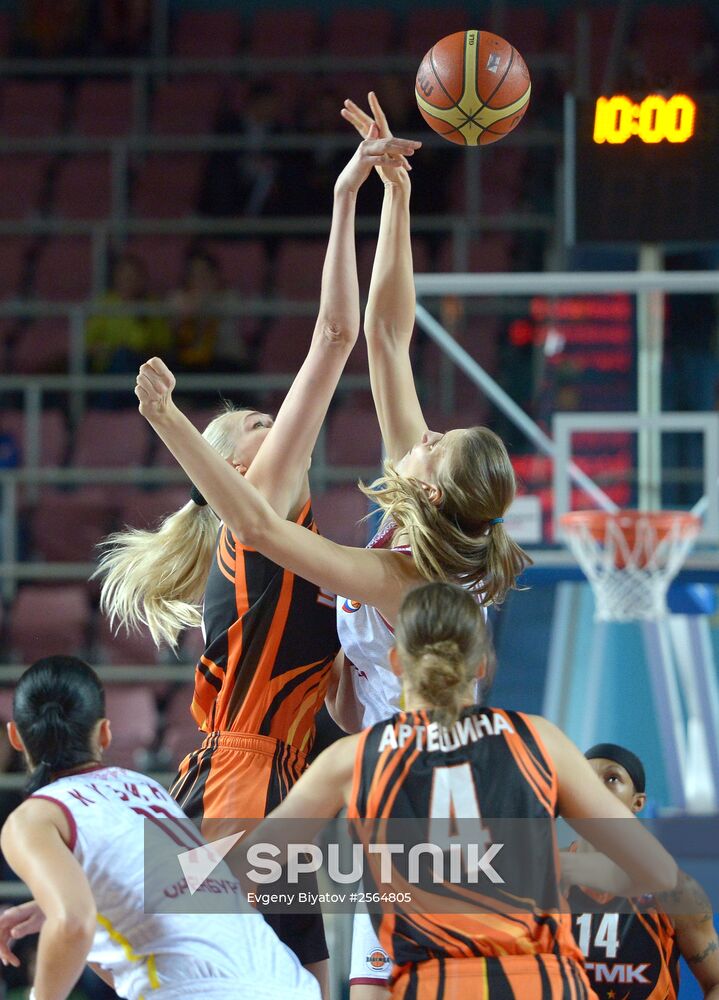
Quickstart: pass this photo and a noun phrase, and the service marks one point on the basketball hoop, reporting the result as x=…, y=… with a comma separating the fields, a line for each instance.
x=630, y=557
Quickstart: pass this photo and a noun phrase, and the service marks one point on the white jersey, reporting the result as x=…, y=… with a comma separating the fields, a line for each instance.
x=233, y=954
x=366, y=640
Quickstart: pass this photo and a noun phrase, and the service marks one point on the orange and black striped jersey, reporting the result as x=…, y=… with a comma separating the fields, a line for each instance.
x=491, y=763
x=270, y=640
x=630, y=955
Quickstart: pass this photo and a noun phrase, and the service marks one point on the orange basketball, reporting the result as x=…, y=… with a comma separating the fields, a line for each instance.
x=472, y=87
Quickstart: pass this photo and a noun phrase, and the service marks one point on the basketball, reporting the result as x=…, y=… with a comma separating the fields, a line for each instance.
x=472, y=87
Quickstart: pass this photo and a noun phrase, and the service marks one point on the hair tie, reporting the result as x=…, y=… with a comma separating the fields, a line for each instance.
x=496, y=520
x=197, y=497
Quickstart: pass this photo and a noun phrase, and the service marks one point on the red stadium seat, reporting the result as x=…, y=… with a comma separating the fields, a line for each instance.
x=243, y=264
x=66, y=526
x=285, y=344
x=146, y=508
x=273, y=28
x=426, y=25
x=83, y=189
x=14, y=252
x=167, y=185
x=355, y=31
x=53, y=434
x=164, y=257
x=22, y=184
x=491, y=252
x=104, y=107
x=353, y=437
x=298, y=269
x=43, y=347
x=207, y=34
x=63, y=270
x=133, y=714
x=31, y=108
x=181, y=732
x=105, y=439
x=123, y=648
x=339, y=511
x=47, y=620
x=601, y=26
x=187, y=106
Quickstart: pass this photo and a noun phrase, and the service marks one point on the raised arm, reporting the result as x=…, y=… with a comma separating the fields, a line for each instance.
x=279, y=470
x=591, y=809
x=390, y=313
x=34, y=841
x=371, y=576
x=691, y=913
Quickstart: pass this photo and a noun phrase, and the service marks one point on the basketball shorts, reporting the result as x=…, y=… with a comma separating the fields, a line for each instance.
x=521, y=977
x=181, y=977
x=242, y=776
x=370, y=964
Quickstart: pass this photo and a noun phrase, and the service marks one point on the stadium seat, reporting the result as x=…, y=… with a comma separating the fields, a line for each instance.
x=63, y=270
x=243, y=264
x=601, y=26
x=181, y=732
x=104, y=107
x=14, y=251
x=356, y=31
x=132, y=712
x=83, y=188
x=339, y=511
x=46, y=620
x=146, y=508
x=208, y=34
x=491, y=252
x=42, y=347
x=298, y=269
x=107, y=439
x=123, y=648
x=426, y=25
x=167, y=185
x=273, y=29
x=284, y=345
x=53, y=434
x=67, y=525
x=186, y=106
x=31, y=108
x=353, y=437
x=164, y=257
x=22, y=184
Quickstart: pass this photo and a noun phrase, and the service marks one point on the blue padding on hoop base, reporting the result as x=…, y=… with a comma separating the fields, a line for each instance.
x=692, y=599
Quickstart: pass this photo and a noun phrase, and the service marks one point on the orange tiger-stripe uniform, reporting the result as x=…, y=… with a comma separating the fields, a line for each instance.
x=270, y=640
x=632, y=955
x=499, y=768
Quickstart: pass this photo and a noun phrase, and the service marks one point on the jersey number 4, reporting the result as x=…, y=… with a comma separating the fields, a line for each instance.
x=453, y=800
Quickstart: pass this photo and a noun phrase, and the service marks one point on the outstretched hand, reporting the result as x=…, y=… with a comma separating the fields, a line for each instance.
x=153, y=388
x=374, y=151
x=395, y=170
x=16, y=923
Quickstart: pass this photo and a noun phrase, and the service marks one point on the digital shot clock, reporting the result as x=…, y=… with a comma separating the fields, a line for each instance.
x=642, y=168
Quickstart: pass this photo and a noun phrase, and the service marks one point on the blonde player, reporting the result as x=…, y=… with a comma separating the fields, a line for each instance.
x=78, y=843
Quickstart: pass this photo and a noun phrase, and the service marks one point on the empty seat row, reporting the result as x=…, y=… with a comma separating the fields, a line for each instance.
x=61, y=268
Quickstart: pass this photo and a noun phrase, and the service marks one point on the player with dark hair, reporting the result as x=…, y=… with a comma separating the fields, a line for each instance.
x=78, y=842
x=638, y=949
x=445, y=757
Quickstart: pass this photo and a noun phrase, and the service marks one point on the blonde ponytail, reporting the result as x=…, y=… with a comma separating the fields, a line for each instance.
x=442, y=640
x=156, y=579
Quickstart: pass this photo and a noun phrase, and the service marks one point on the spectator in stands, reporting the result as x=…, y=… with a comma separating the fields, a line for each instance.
x=116, y=343
x=203, y=337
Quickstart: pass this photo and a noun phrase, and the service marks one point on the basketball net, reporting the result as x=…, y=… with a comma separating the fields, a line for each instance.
x=630, y=558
